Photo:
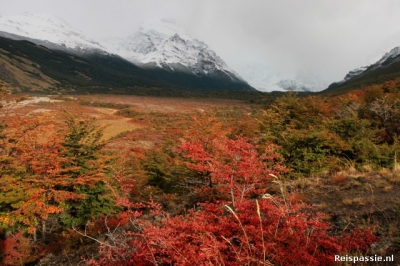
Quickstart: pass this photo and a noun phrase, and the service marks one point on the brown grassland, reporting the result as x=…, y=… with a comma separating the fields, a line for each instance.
x=350, y=196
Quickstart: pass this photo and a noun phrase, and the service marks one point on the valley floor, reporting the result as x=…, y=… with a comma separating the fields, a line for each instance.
x=350, y=198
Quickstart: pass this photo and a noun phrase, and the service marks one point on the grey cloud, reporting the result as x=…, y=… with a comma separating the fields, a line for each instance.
x=328, y=38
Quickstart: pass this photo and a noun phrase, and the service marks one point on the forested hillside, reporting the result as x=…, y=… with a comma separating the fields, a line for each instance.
x=29, y=67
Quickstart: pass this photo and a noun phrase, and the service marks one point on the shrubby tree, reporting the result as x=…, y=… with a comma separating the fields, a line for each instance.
x=82, y=144
x=317, y=135
x=45, y=186
x=240, y=230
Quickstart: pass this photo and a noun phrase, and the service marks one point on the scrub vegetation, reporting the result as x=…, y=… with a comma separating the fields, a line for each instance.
x=288, y=181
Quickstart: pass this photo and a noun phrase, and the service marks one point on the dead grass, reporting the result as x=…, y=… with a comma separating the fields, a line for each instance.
x=340, y=179
x=379, y=182
x=165, y=105
x=347, y=201
x=387, y=173
x=107, y=111
x=393, y=178
x=358, y=201
x=387, y=188
x=114, y=127
x=367, y=168
x=304, y=183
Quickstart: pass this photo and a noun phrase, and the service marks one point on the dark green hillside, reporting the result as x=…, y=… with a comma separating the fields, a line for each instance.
x=369, y=77
x=78, y=72
x=54, y=70
x=186, y=80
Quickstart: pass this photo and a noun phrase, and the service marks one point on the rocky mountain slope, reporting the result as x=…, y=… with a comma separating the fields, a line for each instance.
x=387, y=68
x=48, y=31
x=160, y=53
x=162, y=44
x=26, y=66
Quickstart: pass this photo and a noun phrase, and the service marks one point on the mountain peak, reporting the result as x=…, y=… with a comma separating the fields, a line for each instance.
x=389, y=57
x=158, y=45
x=47, y=29
x=384, y=69
x=161, y=43
x=164, y=27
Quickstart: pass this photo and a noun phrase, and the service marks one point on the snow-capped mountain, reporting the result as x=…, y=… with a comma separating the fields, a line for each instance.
x=46, y=30
x=386, y=60
x=161, y=49
x=354, y=73
x=162, y=44
x=265, y=79
x=382, y=70
x=298, y=84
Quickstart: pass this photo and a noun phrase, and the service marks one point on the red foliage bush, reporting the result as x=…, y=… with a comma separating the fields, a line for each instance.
x=243, y=231
x=233, y=167
x=265, y=232
x=19, y=250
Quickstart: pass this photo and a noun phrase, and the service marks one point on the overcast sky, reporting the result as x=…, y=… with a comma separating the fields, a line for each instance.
x=324, y=37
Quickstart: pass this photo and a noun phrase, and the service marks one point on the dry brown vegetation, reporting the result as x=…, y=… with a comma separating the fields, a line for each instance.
x=24, y=72
x=134, y=125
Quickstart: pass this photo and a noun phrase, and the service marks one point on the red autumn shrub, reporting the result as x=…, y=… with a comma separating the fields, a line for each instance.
x=18, y=250
x=243, y=231
x=233, y=167
x=264, y=232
